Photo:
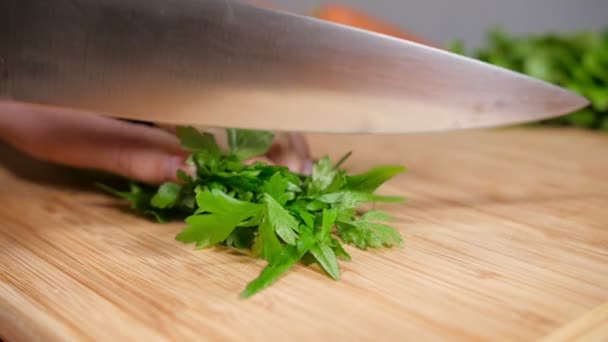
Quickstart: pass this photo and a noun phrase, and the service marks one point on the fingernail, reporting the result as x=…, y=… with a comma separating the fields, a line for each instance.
x=307, y=168
x=190, y=170
x=174, y=163
x=177, y=163
x=299, y=144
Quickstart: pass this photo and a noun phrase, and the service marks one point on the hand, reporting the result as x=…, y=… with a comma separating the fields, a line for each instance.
x=147, y=154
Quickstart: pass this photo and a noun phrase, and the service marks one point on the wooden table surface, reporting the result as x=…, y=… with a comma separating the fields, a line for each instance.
x=506, y=238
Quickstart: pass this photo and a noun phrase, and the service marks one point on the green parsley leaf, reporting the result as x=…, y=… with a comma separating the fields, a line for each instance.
x=346, y=214
x=582, y=118
x=373, y=179
x=323, y=175
x=316, y=205
x=241, y=237
x=353, y=199
x=368, y=233
x=246, y=144
x=277, y=188
x=217, y=217
x=377, y=215
x=273, y=271
x=604, y=124
x=327, y=259
x=193, y=140
x=283, y=258
x=271, y=247
x=245, y=180
x=329, y=219
x=207, y=164
x=306, y=217
x=136, y=196
x=139, y=198
x=281, y=220
x=339, y=250
x=184, y=177
x=343, y=160
x=168, y=196
x=216, y=201
x=208, y=229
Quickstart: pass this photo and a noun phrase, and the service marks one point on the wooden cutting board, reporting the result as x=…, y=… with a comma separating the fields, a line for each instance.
x=506, y=239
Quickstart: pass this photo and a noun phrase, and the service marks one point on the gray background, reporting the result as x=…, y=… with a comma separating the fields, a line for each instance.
x=445, y=20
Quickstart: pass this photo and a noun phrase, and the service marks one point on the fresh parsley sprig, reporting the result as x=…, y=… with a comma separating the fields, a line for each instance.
x=278, y=215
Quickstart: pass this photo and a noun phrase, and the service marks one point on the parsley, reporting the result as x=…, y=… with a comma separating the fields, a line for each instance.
x=245, y=144
x=366, y=232
x=167, y=196
x=576, y=61
x=280, y=216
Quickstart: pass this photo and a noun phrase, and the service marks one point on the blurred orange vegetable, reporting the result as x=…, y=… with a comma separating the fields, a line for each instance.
x=345, y=15
x=265, y=4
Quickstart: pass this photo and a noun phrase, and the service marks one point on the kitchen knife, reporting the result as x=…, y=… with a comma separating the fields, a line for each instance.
x=221, y=63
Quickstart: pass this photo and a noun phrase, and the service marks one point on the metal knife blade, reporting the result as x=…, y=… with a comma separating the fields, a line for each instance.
x=222, y=63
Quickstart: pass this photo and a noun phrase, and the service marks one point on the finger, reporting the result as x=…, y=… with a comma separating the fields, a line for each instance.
x=300, y=146
x=291, y=160
x=291, y=151
x=143, y=153
x=136, y=152
x=259, y=159
x=41, y=124
x=149, y=166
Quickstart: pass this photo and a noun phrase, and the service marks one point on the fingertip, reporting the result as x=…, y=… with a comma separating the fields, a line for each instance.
x=172, y=165
x=307, y=168
x=299, y=145
x=190, y=170
x=259, y=159
x=150, y=167
x=176, y=164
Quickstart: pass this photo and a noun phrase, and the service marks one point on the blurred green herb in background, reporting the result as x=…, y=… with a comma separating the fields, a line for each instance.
x=577, y=61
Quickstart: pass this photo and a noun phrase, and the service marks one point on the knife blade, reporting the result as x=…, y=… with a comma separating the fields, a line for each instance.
x=222, y=63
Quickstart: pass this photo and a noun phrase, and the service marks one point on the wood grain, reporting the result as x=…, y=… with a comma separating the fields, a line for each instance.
x=506, y=239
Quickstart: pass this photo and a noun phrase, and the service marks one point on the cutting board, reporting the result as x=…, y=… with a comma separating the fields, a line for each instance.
x=506, y=238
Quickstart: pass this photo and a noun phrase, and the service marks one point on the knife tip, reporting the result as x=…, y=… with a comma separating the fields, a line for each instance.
x=573, y=101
